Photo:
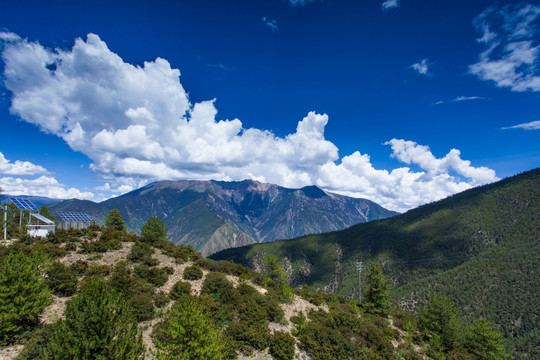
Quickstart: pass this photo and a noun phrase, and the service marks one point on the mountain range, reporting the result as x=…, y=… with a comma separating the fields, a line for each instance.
x=481, y=248
x=216, y=215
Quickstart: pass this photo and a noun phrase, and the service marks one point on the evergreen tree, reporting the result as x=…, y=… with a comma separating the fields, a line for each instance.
x=440, y=321
x=154, y=230
x=276, y=278
x=115, y=221
x=187, y=332
x=98, y=325
x=483, y=342
x=23, y=295
x=376, y=297
x=45, y=212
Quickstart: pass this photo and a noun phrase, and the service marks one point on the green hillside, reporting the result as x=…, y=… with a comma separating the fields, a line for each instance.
x=481, y=248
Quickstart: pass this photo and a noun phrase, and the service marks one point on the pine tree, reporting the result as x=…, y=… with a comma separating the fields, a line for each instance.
x=23, y=294
x=154, y=230
x=98, y=325
x=483, y=342
x=115, y=221
x=440, y=320
x=187, y=332
x=376, y=297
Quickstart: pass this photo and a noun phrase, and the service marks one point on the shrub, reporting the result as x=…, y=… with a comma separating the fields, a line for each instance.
x=192, y=273
x=142, y=306
x=216, y=283
x=155, y=276
x=61, y=279
x=282, y=346
x=79, y=267
x=54, y=250
x=123, y=282
x=98, y=270
x=180, y=289
x=161, y=299
x=249, y=336
x=142, y=252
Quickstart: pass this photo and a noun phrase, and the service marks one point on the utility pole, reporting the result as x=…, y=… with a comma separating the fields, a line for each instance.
x=359, y=269
x=5, y=221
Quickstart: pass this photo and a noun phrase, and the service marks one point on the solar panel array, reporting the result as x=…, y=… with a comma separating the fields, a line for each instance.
x=71, y=216
x=23, y=204
x=43, y=218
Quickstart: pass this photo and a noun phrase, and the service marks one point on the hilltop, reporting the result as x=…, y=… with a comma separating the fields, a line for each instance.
x=216, y=215
x=481, y=248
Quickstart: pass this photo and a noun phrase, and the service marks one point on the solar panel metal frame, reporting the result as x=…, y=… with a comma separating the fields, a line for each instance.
x=23, y=204
x=72, y=216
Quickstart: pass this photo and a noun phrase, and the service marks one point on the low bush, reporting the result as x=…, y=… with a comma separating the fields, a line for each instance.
x=161, y=299
x=282, y=346
x=155, y=276
x=98, y=270
x=180, y=289
x=216, y=283
x=61, y=279
x=142, y=306
x=142, y=252
x=79, y=267
x=192, y=273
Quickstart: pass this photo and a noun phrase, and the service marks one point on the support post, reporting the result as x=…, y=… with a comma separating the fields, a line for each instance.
x=359, y=269
x=5, y=222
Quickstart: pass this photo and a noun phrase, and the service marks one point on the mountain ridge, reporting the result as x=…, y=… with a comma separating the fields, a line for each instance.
x=214, y=215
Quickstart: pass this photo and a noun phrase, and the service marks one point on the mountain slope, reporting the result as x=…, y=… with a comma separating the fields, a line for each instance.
x=215, y=215
x=480, y=247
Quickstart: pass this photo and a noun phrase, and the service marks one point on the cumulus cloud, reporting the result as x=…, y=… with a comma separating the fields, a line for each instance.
x=421, y=67
x=20, y=168
x=389, y=4
x=42, y=186
x=511, y=50
x=271, y=23
x=137, y=124
x=533, y=125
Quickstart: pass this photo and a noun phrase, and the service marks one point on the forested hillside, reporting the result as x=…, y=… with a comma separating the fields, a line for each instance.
x=481, y=248
x=104, y=293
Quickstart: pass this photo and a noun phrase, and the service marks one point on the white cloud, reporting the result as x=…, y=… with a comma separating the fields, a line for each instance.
x=421, y=67
x=467, y=98
x=137, y=124
x=19, y=168
x=533, y=125
x=389, y=4
x=9, y=36
x=509, y=36
x=461, y=99
x=271, y=23
x=41, y=186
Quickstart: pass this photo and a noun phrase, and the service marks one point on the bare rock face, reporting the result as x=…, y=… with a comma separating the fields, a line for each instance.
x=216, y=215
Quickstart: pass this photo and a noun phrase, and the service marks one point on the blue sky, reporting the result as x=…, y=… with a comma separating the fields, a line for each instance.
x=402, y=102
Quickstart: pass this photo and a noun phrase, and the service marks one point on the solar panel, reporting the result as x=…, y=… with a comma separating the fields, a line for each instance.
x=71, y=216
x=23, y=204
x=43, y=218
